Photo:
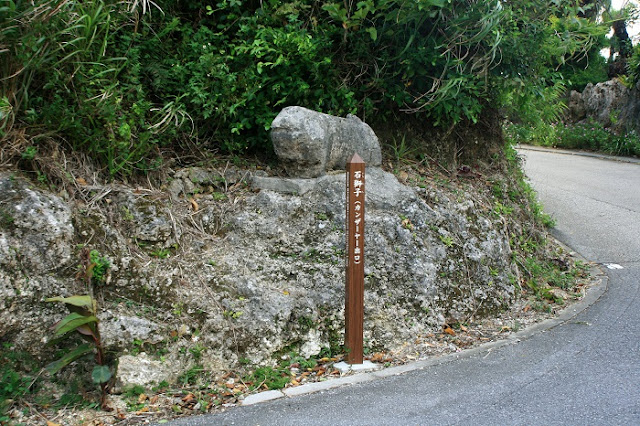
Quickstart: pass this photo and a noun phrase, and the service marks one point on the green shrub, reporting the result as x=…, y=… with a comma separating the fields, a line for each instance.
x=14, y=381
x=272, y=378
x=593, y=136
x=126, y=85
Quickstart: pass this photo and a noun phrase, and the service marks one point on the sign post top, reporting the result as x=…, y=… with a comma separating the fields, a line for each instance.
x=355, y=159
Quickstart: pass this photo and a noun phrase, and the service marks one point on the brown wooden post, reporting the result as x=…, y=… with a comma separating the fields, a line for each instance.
x=354, y=293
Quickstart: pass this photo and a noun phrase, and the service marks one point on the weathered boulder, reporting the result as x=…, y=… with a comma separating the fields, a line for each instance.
x=119, y=331
x=602, y=102
x=36, y=227
x=36, y=240
x=272, y=280
x=149, y=219
x=428, y=258
x=142, y=370
x=309, y=143
x=575, y=107
x=629, y=118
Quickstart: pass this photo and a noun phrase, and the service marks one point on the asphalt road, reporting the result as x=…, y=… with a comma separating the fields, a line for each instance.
x=585, y=371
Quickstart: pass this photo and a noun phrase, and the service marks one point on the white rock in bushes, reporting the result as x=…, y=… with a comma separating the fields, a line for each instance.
x=309, y=143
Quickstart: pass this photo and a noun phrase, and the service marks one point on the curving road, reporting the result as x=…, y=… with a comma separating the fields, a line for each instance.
x=584, y=371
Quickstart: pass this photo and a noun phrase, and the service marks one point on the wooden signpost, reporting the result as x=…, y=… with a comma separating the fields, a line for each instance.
x=354, y=294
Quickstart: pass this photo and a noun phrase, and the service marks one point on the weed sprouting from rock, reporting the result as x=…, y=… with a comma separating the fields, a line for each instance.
x=84, y=321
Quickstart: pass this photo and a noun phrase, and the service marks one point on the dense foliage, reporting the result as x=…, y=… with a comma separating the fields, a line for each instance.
x=123, y=80
x=588, y=135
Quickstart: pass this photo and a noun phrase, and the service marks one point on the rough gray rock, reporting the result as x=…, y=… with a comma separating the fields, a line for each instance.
x=309, y=143
x=142, y=370
x=271, y=281
x=150, y=219
x=36, y=227
x=119, y=331
x=600, y=102
x=629, y=118
x=36, y=241
x=575, y=107
x=414, y=280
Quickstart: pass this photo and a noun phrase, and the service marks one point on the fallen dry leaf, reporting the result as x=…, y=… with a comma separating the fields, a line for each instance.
x=142, y=398
x=377, y=357
x=450, y=331
x=194, y=205
x=52, y=424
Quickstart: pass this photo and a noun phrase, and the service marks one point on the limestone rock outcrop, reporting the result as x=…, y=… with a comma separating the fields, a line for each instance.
x=310, y=143
x=243, y=265
x=609, y=103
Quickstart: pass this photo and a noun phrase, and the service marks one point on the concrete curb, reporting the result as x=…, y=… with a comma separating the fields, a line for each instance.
x=579, y=153
x=593, y=294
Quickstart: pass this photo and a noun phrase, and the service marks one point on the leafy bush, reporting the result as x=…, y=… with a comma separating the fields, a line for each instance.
x=634, y=65
x=590, y=136
x=126, y=81
x=14, y=382
x=272, y=378
x=593, y=136
x=542, y=134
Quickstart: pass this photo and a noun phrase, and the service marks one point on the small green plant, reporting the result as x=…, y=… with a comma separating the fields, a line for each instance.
x=197, y=351
x=272, y=378
x=190, y=377
x=497, y=190
x=99, y=267
x=14, y=381
x=219, y=196
x=406, y=223
x=177, y=308
x=133, y=391
x=132, y=397
x=500, y=209
x=160, y=387
x=302, y=363
x=446, y=240
x=29, y=153
x=6, y=115
x=126, y=214
x=6, y=220
x=82, y=320
x=137, y=346
x=305, y=322
x=402, y=151
x=161, y=253
x=322, y=216
x=73, y=397
x=231, y=314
